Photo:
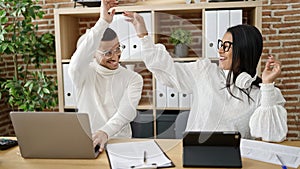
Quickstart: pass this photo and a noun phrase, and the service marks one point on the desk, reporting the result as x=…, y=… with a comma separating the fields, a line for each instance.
x=11, y=158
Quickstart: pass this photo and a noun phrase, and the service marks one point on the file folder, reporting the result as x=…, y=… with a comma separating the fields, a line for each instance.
x=121, y=27
x=184, y=100
x=236, y=17
x=172, y=97
x=161, y=95
x=223, y=22
x=211, y=34
x=69, y=97
x=216, y=24
x=134, y=41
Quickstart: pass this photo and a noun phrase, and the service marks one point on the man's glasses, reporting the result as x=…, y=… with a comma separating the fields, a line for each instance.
x=109, y=53
x=225, y=45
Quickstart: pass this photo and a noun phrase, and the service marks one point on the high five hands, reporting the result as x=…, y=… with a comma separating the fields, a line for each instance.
x=137, y=22
x=133, y=17
x=105, y=7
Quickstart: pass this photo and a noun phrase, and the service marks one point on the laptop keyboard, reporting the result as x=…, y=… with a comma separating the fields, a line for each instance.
x=7, y=143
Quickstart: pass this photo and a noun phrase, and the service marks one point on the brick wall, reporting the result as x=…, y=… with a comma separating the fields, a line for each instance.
x=280, y=29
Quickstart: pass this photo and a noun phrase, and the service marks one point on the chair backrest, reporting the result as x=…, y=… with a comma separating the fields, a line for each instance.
x=180, y=124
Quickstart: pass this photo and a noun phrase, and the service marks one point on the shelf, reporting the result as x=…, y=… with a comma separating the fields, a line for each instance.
x=173, y=108
x=94, y=11
x=185, y=59
x=166, y=15
x=138, y=60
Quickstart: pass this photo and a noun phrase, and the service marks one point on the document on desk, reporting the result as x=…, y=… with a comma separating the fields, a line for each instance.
x=271, y=152
x=132, y=154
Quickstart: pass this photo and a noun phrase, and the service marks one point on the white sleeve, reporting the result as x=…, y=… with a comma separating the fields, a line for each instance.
x=89, y=42
x=161, y=64
x=269, y=121
x=127, y=107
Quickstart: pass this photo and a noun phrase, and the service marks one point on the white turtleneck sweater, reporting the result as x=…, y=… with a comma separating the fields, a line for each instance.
x=110, y=97
x=213, y=108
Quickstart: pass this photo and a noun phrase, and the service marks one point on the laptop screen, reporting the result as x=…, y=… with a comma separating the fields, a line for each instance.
x=53, y=134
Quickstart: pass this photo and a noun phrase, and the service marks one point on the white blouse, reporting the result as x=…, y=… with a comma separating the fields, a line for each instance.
x=213, y=108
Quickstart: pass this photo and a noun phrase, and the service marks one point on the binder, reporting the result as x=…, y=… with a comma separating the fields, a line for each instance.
x=121, y=27
x=184, y=100
x=216, y=24
x=210, y=33
x=69, y=97
x=172, y=97
x=148, y=21
x=161, y=95
x=134, y=41
x=236, y=17
x=222, y=22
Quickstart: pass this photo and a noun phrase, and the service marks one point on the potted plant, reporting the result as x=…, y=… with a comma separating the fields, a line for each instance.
x=29, y=88
x=181, y=39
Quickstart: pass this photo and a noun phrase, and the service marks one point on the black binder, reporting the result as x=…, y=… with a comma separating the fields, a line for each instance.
x=212, y=149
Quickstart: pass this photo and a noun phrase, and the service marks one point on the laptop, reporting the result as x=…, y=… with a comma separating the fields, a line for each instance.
x=54, y=135
x=212, y=149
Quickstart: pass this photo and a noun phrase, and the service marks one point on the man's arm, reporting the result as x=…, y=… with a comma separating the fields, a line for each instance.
x=88, y=44
x=126, y=112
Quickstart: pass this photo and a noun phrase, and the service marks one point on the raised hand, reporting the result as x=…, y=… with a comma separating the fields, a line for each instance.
x=272, y=70
x=105, y=6
x=138, y=23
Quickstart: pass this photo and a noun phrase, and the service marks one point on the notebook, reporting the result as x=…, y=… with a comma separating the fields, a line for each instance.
x=54, y=135
x=212, y=149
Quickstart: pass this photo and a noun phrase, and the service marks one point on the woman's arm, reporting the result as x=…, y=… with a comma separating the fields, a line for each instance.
x=158, y=59
x=269, y=121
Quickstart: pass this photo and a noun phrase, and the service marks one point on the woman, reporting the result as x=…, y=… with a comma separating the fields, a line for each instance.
x=228, y=97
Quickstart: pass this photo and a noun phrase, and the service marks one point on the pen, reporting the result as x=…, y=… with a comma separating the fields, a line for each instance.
x=145, y=157
x=282, y=165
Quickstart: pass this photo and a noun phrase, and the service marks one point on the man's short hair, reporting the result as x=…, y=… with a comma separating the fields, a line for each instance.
x=109, y=35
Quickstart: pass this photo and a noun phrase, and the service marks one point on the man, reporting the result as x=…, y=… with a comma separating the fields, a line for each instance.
x=104, y=89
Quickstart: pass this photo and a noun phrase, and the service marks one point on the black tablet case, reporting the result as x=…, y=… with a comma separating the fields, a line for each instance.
x=212, y=149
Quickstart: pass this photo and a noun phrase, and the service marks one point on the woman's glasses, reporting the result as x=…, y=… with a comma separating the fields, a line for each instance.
x=226, y=45
x=110, y=53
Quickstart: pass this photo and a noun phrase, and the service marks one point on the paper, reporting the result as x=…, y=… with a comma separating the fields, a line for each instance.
x=267, y=152
x=126, y=155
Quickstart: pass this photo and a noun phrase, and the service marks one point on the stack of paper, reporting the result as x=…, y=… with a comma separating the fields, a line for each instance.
x=268, y=152
x=126, y=155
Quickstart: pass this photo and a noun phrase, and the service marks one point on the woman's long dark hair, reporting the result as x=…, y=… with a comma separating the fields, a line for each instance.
x=246, y=52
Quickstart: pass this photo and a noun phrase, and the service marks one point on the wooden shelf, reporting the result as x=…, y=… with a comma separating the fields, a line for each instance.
x=172, y=108
x=69, y=27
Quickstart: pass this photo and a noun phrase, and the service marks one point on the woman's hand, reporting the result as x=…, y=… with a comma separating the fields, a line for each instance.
x=138, y=23
x=105, y=6
x=272, y=70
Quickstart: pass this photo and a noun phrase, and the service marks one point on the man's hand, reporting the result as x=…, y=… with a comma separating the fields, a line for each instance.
x=105, y=6
x=100, y=138
x=138, y=23
x=272, y=70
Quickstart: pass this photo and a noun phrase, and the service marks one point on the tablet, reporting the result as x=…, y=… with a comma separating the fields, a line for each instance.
x=212, y=149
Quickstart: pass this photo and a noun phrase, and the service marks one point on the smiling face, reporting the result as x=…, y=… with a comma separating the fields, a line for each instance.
x=110, y=62
x=225, y=59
